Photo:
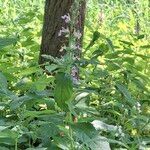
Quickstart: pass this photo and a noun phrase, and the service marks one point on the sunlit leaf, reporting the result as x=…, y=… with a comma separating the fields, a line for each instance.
x=29, y=71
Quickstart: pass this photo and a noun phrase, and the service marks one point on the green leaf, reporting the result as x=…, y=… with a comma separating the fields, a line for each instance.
x=43, y=82
x=3, y=84
x=145, y=57
x=95, y=37
x=113, y=55
x=3, y=81
x=126, y=42
x=86, y=133
x=112, y=66
x=121, y=88
x=7, y=41
x=100, y=125
x=139, y=84
x=62, y=142
x=63, y=90
x=139, y=37
x=130, y=60
x=37, y=113
x=8, y=137
x=29, y=71
x=51, y=67
x=36, y=149
x=110, y=44
x=48, y=130
x=4, y=148
x=19, y=101
x=119, y=143
x=145, y=47
x=3, y=128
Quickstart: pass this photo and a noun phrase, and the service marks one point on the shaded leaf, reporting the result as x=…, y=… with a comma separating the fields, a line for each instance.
x=110, y=44
x=86, y=133
x=145, y=47
x=7, y=41
x=51, y=67
x=3, y=82
x=125, y=92
x=63, y=89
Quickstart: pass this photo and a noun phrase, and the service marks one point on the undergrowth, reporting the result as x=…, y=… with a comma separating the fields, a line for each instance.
x=109, y=108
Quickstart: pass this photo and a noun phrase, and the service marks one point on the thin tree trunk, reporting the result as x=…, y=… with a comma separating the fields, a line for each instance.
x=51, y=42
x=53, y=23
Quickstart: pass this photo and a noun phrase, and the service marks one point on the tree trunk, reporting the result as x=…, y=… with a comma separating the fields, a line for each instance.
x=51, y=42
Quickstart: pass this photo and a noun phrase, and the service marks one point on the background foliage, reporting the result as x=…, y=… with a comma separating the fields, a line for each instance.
x=114, y=88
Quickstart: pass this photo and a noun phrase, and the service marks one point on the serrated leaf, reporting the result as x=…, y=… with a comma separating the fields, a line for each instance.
x=48, y=130
x=51, y=67
x=18, y=101
x=63, y=90
x=43, y=82
x=86, y=133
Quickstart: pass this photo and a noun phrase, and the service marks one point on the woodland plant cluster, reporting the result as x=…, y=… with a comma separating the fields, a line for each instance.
x=108, y=108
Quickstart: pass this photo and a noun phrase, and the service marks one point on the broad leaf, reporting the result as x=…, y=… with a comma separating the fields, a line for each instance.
x=63, y=90
x=99, y=125
x=86, y=133
x=51, y=67
x=6, y=42
x=29, y=71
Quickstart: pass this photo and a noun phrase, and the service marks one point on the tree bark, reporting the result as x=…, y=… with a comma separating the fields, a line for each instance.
x=51, y=42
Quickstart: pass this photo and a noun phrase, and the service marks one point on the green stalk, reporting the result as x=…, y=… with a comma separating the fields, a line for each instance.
x=16, y=142
x=70, y=131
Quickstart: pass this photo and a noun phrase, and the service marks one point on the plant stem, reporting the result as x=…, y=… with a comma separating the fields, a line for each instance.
x=71, y=132
x=16, y=142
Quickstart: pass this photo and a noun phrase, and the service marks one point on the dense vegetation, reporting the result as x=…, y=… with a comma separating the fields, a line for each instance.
x=109, y=108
